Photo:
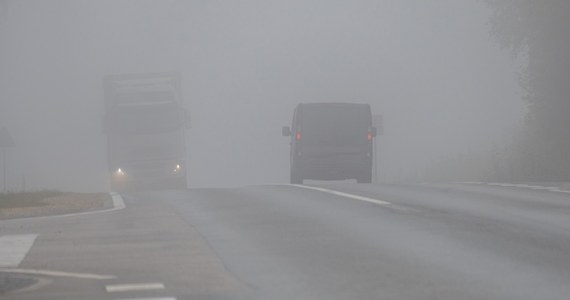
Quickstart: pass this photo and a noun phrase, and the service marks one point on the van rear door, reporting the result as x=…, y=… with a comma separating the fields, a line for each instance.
x=335, y=125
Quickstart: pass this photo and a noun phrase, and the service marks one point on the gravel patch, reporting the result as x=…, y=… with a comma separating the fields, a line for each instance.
x=57, y=205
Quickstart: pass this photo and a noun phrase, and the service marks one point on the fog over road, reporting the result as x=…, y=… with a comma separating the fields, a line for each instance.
x=213, y=98
x=443, y=86
x=437, y=241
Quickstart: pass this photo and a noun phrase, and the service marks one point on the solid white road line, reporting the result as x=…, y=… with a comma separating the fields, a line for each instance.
x=527, y=186
x=134, y=287
x=342, y=194
x=58, y=274
x=13, y=248
x=518, y=185
x=168, y=298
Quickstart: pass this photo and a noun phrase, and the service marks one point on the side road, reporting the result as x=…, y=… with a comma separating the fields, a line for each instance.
x=144, y=250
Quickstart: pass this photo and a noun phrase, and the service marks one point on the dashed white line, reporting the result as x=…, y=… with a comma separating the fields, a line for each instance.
x=58, y=274
x=342, y=194
x=13, y=249
x=134, y=287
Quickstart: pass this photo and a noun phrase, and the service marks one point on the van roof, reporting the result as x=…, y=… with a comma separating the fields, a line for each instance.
x=334, y=103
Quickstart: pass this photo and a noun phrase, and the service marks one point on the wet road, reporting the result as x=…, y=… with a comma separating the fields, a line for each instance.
x=334, y=241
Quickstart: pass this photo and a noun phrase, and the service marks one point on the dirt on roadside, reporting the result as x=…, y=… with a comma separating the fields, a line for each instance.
x=61, y=203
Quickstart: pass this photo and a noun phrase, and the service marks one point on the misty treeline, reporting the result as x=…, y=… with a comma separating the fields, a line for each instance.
x=538, y=31
x=538, y=35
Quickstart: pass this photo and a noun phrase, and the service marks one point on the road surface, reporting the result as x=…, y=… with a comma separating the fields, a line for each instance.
x=333, y=241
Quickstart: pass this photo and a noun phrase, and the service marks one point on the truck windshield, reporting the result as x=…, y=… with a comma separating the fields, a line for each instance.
x=129, y=148
x=335, y=124
x=147, y=119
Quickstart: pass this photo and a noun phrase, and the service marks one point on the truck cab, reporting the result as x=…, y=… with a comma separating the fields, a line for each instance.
x=145, y=128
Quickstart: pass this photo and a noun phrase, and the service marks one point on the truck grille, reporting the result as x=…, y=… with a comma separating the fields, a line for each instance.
x=152, y=170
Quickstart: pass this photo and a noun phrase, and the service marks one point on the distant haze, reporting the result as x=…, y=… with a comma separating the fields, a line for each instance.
x=429, y=67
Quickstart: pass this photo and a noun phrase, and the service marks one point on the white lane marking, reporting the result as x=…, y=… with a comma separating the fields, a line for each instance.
x=134, y=287
x=58, y=274
x=528, y=186
x=118, y=204
x=342, y=194
x=13, y=248
x=168, y=298
x=519, y=185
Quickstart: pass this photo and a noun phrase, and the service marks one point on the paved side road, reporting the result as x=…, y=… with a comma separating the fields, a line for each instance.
x=141, y=252
x=335, y=241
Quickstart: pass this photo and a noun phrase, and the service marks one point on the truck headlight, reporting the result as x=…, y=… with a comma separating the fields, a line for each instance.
x=177, y=168
x=120, y=172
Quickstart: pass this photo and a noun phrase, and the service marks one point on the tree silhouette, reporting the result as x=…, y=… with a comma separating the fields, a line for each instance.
x=538, y=33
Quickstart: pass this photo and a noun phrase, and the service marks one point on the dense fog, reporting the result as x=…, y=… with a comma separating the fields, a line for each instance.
x=430, y=68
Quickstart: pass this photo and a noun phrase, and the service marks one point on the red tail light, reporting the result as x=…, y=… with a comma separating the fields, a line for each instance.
x=298, y=136
x=369, y=136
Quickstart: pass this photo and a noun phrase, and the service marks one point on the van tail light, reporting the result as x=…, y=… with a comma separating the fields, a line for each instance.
x=369, y=136
x=298, y=136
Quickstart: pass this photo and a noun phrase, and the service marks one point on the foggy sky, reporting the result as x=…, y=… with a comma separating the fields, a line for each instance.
x=429, y=67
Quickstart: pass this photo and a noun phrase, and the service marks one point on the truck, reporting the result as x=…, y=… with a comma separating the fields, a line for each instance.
x=145, y=125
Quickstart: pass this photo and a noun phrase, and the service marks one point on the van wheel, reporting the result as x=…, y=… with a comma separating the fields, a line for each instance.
x=366, y=178
x=296, y=178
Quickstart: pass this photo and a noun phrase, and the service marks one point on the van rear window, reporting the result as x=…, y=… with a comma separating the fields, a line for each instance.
x=335, y=124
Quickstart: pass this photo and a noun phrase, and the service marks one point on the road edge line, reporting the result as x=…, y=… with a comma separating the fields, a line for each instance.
x=520, y=186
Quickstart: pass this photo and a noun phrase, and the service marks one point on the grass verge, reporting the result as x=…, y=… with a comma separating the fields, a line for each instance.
x=26, y=199
x=48, y=203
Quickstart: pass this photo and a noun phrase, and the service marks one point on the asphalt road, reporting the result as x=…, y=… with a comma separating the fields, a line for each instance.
x=346, y=241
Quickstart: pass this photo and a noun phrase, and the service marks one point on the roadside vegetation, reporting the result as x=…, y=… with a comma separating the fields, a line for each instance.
x=536, y=33
x=26, y=199
x=48, y=203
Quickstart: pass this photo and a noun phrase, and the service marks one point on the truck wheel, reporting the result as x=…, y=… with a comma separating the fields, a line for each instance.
x=365, y=178
x=179, y=183
x=296, y=177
